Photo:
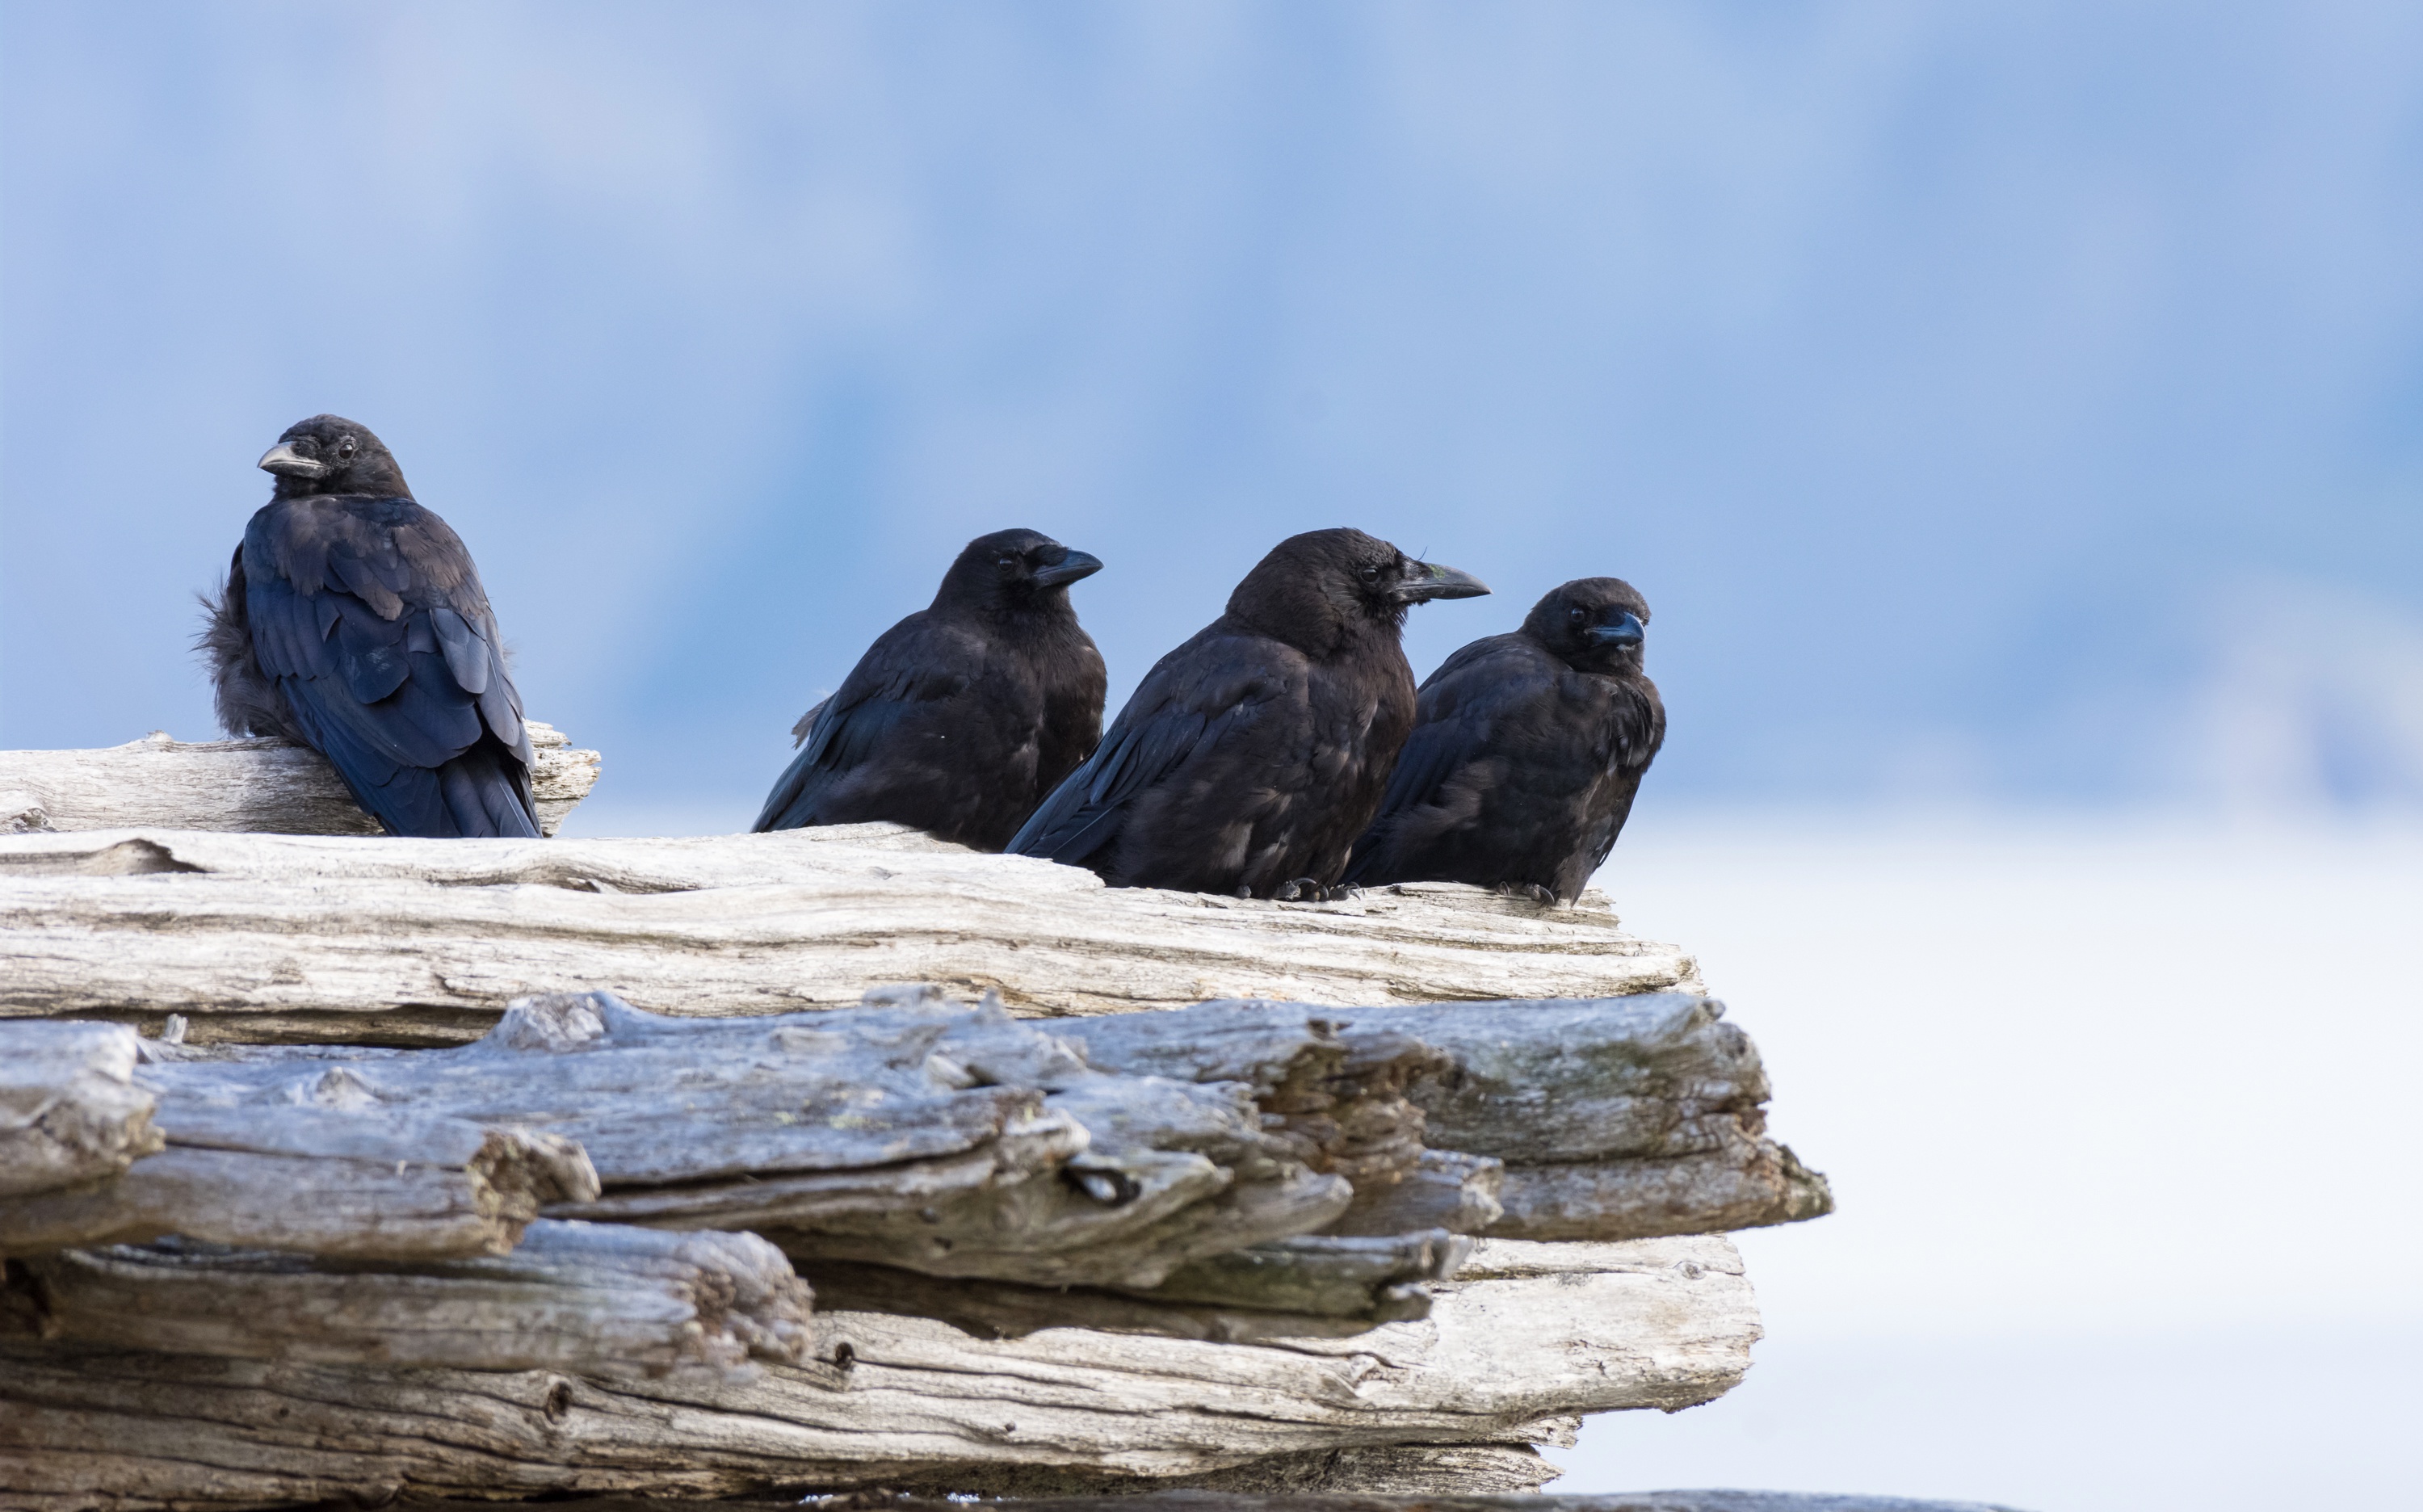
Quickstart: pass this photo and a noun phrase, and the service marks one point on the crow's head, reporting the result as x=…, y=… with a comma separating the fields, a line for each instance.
x=1014, y=569
x=1595, y=623
x=331, y=455
x=1314, y=590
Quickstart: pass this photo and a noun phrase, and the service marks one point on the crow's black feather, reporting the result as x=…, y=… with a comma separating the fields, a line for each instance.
x=1251, y=755
x=352, y=620
x=963, y=715
x=1526, y=752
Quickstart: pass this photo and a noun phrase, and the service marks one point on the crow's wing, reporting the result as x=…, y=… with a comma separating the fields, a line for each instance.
x=1456, y=714
x=369, y=617
x=1462, y=715
x=911, y=667
x=1218, y=682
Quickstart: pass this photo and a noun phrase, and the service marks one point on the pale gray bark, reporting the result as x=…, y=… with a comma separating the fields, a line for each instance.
x=1552, y=1331
x=250, y=786
x=960, y=1142
x=1543, y=1080
x=1751, y=1183
x=1615, y=1118
x=915, y=1132
x=1378, y=1278
x=1383, y=1470
x=1466, y=1498
x=1344, y=1093
x=1446, y=1189
x=360, y=1182
x=600, y=1299
x=394, y=941
x=1002, y=1310
x=1112, y=1211
x=69, y=1111
x=1407, y=1478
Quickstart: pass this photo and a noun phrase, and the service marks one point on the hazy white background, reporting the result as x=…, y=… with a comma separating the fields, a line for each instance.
x=2010, y=409
x=2121, y=1119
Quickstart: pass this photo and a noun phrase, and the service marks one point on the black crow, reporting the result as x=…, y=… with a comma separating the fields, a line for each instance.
x=354, y=621
x=1252, y=756
x=1525, y=753
x=962, y=716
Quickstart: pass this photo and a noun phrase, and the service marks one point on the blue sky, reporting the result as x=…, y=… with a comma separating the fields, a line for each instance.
x=1998, y=403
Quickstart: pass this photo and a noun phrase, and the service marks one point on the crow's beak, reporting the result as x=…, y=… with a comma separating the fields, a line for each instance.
x=1626, y=631
x=286, y=462
x=1069, y=568
x=1426, y=580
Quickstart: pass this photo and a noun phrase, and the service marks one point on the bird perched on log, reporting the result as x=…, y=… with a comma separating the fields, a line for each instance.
x=354, y=622
x=1525, y=753
x=962, y=716
x=1252, y=756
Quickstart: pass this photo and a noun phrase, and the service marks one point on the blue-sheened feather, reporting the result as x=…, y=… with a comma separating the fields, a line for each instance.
x=367, y=616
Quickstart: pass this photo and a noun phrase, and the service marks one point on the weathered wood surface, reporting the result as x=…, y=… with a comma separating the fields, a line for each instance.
x=1378, y=1278
x=69, y=1111
x=914, y=1132
x=393, y=941
x=934, y=1136
x=1749, y=1183
x=1382, y=1470
x=1345, y=1092
x=1615, y=1118
x=1444, y=1189
x=251, y=786
x=961, y=1142
x=600, y=1299
x=1707, y=1501
x=365, y=1183
x=1284, y=1487
x=1003, y=1310
x=1547, y=1331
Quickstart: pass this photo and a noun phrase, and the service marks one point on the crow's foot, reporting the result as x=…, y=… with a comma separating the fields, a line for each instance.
x=1305, y=890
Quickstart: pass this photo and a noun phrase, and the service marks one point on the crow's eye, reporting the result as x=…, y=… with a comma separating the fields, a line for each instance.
x=346, y=449
x=1372, y=574
x=1577, y=615
x=1007, y=563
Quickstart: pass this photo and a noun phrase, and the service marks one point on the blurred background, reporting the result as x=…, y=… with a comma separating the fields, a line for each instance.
x=2014, y=413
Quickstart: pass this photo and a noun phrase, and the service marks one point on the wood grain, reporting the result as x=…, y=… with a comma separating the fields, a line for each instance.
x=1547, y=1332
x=270, y=937
x=248, y=785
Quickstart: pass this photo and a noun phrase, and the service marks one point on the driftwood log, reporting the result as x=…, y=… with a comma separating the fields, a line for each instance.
x=365, y=1184
x=1278, y=1495
x=1708, y=1501
x=399, y=1239
x=254, y=786
x=920, y=1132
x=1444, y=1190
x=1612, y=1117
x=600, y=1299
x=424, y=942
x=916, y=1133
x=1527, y=1337
x=69, y=1111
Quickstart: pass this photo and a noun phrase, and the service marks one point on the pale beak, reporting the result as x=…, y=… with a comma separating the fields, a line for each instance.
x=286, y=462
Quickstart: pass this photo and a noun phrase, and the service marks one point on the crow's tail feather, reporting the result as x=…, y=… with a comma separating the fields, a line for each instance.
x=483, y=793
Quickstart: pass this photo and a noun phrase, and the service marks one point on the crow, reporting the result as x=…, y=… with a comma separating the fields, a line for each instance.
x=353, y=621
x=959, y=719
x=1252, y=756
x=1525, y=753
